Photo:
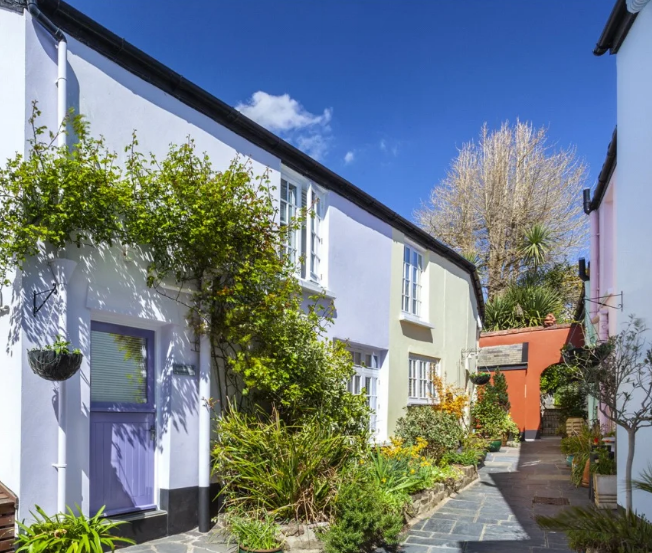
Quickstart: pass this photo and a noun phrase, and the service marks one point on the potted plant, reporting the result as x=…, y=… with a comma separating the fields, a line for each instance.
x=56, y=361
x=604, y=480
x=255, y=532
x=480, y=379
x=494, y=444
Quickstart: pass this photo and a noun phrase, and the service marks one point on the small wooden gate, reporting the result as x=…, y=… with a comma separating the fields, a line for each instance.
x=550, y=422
x=8, y=504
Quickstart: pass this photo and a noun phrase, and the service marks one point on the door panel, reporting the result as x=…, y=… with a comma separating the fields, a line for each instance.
x=122, y=462
x=123, y=430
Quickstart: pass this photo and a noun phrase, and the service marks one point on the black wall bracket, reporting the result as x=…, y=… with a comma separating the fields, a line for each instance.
x=48, y=292
x=600, y=300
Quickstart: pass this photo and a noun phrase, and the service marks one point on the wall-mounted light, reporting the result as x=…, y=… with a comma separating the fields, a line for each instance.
x=582, y=272
x=586, y=197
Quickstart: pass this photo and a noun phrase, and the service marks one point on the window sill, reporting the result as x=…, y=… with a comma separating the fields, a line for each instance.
x=419, y=401
x=310, y=286
x=412, y=319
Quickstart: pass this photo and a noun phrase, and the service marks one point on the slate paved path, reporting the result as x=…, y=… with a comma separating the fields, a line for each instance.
x=496, y=514
x=188, y=542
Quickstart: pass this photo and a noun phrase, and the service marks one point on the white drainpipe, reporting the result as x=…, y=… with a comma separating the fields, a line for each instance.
x=204, y=449
x=62, y=268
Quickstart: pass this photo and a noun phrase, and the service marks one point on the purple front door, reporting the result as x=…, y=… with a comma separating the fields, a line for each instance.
x=123, y=425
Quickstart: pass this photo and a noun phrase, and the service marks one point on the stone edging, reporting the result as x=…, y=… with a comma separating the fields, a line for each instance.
x=423, y=503
x=302, y=537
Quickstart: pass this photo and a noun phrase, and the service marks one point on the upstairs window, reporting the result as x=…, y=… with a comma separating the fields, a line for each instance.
x=412, y=274
x=289, y=208
x=303, y=246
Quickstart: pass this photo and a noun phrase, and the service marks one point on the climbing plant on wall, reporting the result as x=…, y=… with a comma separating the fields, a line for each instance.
x=213, y=231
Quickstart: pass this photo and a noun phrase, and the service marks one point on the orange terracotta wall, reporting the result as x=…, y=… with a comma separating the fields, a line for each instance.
x=544, y=346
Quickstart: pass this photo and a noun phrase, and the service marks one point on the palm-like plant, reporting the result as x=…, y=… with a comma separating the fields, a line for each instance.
x=522, y=306
x=603, y=530
x=536, y=245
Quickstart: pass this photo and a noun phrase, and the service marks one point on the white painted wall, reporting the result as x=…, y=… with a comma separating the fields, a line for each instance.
x=109, y=287
x=359, y=262
x=633, y=223
x=12, y=140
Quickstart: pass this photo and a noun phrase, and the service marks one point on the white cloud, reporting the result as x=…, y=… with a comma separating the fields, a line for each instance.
x=286, y=116
x=388, y=148
x=281, y=113
x=349, y=157
x=315, y=145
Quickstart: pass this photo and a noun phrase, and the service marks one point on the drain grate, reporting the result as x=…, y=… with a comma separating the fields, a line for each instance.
x=551, y=500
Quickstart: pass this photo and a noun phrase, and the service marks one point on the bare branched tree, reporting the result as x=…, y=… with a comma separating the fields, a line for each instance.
x=622, y=382
x=500, y=187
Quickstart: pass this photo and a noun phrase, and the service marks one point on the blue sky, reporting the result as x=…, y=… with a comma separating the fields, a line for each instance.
x=384, y=91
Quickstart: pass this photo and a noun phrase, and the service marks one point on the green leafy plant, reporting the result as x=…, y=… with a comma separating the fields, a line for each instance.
x=213, y=232
x=68, y=533
x=537, y=242
x=579, y=445
x=522, y=306
x=440, y=430
x=365, y=515
x=60, y=347
x=604, y=530
x=256, y=530
x=466, y=457
x=289, y=471
x=605, y=464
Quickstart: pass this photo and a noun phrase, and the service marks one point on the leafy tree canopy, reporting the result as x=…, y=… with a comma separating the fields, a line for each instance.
x=213, y=231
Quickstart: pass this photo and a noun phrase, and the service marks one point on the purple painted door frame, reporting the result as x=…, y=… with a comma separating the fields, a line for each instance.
x=122, y=442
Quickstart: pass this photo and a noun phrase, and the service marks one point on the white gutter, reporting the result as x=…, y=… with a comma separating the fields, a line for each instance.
x=635, y=6
x=63, y=268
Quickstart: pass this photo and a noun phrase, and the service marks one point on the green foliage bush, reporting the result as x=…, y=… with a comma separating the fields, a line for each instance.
x=467, y=457
x=441, y=430
x=254, y=530
x=365, y=515
x=522, y=306
x=601, y=530
x=68, y=533
x=490, y=413
x=213, y=231
x=289, y=471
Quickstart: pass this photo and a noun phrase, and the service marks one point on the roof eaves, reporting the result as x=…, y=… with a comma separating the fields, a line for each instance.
x=608, y=168
x=615, y=30
x=99, y=38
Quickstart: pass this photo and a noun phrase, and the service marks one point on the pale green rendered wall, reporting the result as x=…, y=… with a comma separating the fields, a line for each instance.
x=449, y=303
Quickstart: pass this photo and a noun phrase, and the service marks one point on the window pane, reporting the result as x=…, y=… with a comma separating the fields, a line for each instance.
x=406, y=254
x=367, y=360
x=356, y=384
x=118, y=368
x=284, y=190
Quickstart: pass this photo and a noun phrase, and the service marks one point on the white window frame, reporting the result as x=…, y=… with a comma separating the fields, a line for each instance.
x=367, y=371
x=420, y=385
x=305, y=245
x=411, y=293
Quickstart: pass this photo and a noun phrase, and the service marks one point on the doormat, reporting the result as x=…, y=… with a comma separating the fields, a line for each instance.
x=551, y=500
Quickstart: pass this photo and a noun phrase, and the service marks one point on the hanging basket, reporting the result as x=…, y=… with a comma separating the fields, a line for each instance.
x=479, y=379
x=54, y=366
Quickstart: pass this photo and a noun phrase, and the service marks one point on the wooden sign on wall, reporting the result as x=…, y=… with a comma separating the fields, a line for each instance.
x=503, y=356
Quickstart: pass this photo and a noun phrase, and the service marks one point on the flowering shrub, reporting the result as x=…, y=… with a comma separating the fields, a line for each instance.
x=440, y=430
x=451, y=399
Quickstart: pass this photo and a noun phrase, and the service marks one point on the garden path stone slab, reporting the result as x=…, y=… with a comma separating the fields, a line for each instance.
x=496, y=513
